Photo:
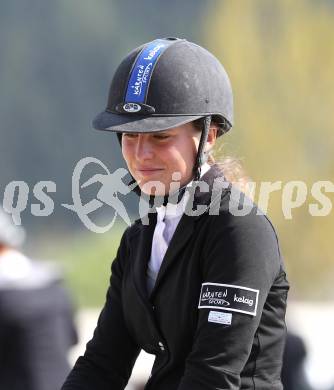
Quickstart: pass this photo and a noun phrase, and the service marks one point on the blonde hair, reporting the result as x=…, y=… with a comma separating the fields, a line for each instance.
x=231, y=167
x=233, y=171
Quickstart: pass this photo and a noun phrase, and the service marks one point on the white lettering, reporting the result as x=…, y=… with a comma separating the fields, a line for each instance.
x=46, y=200
x=21, y=199
x=290, y=202
x=204, y=187
x=266, y=188
x=150, y=187
x=153, y=52
x=244, y=300
x=325, y=202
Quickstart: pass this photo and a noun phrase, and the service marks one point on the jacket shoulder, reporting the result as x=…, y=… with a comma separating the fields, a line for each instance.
x=236, y=208
x=243, y=232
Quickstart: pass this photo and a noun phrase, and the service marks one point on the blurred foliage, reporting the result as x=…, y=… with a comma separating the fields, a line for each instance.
x=85, y=259
x=280, y=58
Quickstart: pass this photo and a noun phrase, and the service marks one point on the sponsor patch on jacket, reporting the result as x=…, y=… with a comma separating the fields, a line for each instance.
x=220, y=317
x=228, y=297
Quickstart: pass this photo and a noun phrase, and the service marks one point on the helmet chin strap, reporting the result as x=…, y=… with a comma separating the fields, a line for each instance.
x=201, y=154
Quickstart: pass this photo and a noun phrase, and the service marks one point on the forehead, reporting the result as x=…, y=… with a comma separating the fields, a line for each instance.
x=187, y=128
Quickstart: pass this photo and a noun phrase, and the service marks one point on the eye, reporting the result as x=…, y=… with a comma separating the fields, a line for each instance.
x=161, y=136
x=130, y=135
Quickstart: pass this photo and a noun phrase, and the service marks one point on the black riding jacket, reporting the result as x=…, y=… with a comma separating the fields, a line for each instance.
x=215, y=318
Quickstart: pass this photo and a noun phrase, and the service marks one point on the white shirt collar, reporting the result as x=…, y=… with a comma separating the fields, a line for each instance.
x=171, y=211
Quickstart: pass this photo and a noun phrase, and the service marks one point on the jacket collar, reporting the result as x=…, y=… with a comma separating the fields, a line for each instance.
x=213, y=179
x=201, y=197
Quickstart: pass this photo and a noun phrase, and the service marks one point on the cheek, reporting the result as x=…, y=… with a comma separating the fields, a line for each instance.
x=182, y=160
x=126, y=152
x=188, y=154
x=175, y=157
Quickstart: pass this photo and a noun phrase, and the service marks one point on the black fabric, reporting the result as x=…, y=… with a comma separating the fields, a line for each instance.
x=36, y=332
x=293, y=376
x=109, y=121
x=191, y=352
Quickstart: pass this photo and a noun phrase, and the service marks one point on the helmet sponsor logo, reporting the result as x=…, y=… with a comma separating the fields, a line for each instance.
x=142, y=78
x=132, y=107
x=147, y=72
x=153, y=52
x=142, y=71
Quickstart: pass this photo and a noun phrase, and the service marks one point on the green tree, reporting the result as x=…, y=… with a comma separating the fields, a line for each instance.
x=280, y=57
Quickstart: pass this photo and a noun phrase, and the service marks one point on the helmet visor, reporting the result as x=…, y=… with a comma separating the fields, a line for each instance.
x=109, y=121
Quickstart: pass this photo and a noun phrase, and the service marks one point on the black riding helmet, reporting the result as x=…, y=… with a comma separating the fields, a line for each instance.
x=164, y=84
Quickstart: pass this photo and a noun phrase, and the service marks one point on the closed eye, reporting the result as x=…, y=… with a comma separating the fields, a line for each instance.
x=130, y=135
x=161, y=136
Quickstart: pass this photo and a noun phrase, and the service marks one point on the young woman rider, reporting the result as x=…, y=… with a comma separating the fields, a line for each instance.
x=201, y=285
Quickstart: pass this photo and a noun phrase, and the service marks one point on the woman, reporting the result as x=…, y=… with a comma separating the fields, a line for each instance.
x=198, y=286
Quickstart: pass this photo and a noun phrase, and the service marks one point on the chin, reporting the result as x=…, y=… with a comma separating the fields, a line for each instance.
x=152, y=193
x=153, y=187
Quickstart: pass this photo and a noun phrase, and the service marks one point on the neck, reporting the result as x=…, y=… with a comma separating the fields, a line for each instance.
x=176, y=196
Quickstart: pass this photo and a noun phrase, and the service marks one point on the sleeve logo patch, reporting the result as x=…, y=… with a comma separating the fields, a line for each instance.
x=228, y=297
x=220, y=317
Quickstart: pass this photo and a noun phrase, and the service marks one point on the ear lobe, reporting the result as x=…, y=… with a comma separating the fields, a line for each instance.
x=212, y=136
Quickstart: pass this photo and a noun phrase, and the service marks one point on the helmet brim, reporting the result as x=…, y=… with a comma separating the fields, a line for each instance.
x=121, y=123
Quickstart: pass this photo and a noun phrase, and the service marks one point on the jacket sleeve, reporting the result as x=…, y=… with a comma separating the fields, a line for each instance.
x=111, y=353
x=241, y=257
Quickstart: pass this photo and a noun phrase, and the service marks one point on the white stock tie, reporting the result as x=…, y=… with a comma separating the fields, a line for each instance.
x=159, y=247
x=167, y=221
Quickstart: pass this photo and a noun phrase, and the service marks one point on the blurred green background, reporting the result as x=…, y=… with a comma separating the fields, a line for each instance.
x=57, y=59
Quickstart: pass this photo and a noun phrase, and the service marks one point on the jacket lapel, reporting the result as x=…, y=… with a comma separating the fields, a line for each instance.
x=186, y=226
x=180, y=238
x=142, y=245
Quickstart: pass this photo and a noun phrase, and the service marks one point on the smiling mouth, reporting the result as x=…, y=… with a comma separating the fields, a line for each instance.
x=149, y=170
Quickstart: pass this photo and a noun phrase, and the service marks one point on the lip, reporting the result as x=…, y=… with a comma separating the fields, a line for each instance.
x=148, y=171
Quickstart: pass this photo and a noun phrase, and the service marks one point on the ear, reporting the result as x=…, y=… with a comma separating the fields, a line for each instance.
x=212, y=136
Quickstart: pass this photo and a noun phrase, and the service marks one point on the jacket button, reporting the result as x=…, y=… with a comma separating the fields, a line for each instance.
x=161, y=346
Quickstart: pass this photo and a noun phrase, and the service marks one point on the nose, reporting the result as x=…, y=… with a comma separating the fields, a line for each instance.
x=144, y=148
